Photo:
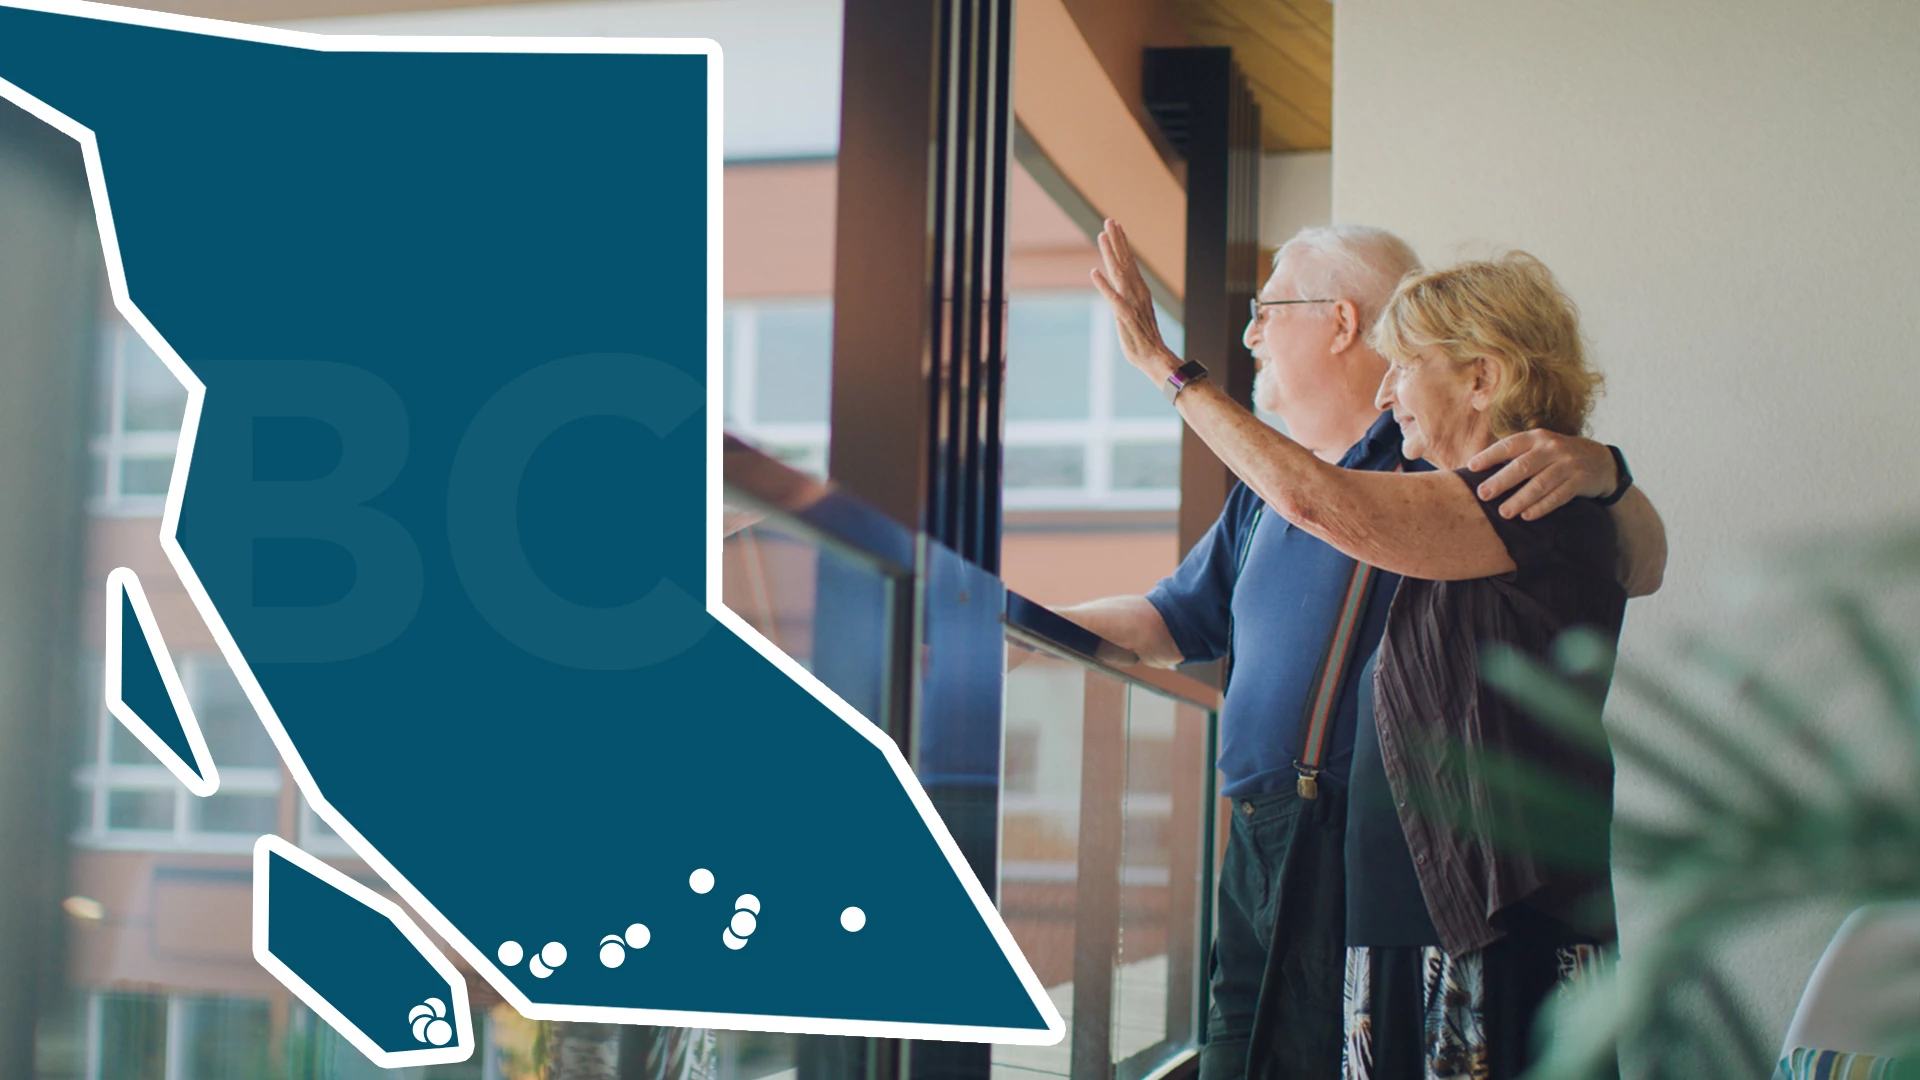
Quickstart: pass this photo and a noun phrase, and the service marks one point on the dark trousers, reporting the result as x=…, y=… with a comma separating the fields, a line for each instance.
x=1279, y=950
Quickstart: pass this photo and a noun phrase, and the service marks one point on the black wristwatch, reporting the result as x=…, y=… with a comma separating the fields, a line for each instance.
x=1626, y=478
x=1183, y=376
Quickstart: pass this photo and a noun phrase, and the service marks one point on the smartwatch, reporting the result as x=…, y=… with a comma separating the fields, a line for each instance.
x=1626, y=478
x=1183, y=376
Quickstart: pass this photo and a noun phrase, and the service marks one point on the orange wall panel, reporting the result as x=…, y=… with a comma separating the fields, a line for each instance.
x=1061, y=568
x=779, y=221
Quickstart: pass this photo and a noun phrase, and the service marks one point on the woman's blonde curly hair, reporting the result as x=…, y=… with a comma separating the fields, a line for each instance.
x=1510, y=310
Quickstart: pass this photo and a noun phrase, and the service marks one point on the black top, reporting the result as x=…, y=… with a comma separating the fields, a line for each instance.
x=1384, y=904
x=1481, y=849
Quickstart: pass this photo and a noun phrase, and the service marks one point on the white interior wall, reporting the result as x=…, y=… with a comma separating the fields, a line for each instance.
x=1296, y=190
x=1729, y=192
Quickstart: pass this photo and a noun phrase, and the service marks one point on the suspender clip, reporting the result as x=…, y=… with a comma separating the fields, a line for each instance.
x=1309, y=784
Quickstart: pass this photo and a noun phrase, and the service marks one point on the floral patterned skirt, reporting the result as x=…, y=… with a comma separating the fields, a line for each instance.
x=1415, y=1013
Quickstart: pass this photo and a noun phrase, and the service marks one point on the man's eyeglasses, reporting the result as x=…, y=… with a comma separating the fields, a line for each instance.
x=1256, y=304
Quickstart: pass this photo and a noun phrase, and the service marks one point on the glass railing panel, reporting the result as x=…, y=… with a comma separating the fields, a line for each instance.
x=1040, y=834
x=787, y=583
x=1162, y=883
x=770, y=578
x=829, y=605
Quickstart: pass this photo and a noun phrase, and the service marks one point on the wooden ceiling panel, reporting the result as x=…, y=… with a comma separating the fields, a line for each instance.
x=1285, y=47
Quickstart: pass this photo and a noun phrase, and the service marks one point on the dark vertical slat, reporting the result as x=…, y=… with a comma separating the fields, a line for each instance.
x=994, y=358
x=939, y=514
x=954, y=288
x=968, y=283
x=968, y=225
x=943, y=242
x=885, y=355
x=884, y=250
x=1203, y=106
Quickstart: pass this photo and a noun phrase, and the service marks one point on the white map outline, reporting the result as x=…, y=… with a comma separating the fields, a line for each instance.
x=479, y=958
x=462, y=1047
x=203, y=776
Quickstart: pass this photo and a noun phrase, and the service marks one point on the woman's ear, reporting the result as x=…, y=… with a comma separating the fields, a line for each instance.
x=1486, y=382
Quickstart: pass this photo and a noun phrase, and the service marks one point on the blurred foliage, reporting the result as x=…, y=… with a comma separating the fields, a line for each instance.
x=1770, y=798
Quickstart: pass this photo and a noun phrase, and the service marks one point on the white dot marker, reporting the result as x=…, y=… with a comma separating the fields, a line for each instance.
x=747, y=902
x=638, y=936
x=733, y=942
x=701, y=881
x=540, y=970
x=511, y=953
x=853, y=919
x=743, y=923
x=439, y=1033
x=611, y=954
x=553, y=954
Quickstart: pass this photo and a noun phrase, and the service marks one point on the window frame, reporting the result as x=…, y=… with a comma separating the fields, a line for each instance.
x=100, y=777
x=112, y=448
x=803, y=444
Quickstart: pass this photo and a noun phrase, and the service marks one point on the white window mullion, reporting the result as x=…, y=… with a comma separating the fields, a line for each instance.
x=94, y=1035
x=96, y=822
x=746, y=363
x=176, y=1039
x=116, y=414
x=1099, y=440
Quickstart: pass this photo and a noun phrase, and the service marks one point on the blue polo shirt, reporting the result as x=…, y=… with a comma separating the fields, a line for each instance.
x=1273, y=611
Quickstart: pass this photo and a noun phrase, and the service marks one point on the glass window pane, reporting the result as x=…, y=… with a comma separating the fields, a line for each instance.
x=90, y=707
x=226, y=1038
x=60, y=1038
x=133, y=1037
x=317, y=829
x=730, y=366
x=248, y=814
x=1156, y=969
x=785, y=585
x=1048, y=342
x=146, y=475
x=124, y=749
x=1040, y=835
x=1046, y=466
x=140, y=810
x=234, y=734
x=1171, y=331
x=103, y=385
x=1146, y=466
x=793, y=361
x=155, y=400
x=1136, y=397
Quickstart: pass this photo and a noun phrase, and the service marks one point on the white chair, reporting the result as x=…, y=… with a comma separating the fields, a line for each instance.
x=1864, y=995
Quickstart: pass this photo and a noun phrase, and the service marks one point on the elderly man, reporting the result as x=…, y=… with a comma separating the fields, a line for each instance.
x=1289, y=612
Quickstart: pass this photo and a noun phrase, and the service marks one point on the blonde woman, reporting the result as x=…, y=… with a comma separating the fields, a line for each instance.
x=1455, y=936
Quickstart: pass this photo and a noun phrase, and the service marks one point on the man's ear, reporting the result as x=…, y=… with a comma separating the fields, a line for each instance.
x=1346, y=329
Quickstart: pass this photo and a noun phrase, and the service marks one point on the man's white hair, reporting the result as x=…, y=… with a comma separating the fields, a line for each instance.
x=1348, y=262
